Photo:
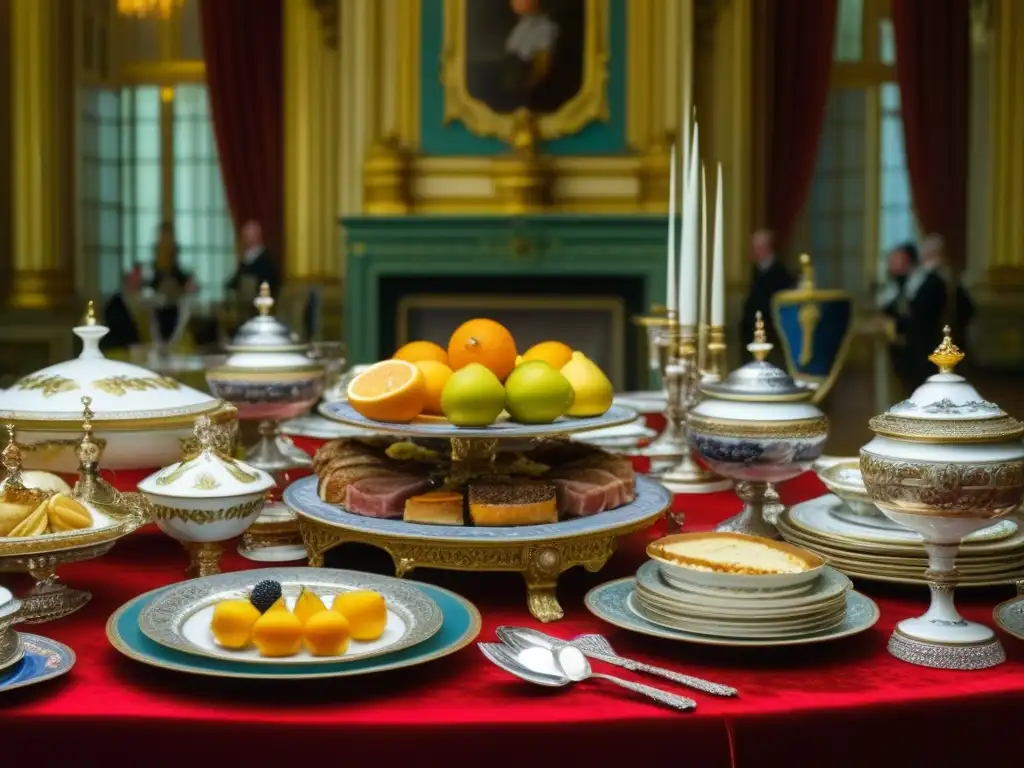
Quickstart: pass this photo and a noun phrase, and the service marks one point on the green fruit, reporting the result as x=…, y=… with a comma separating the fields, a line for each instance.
x=536, y=393
x=592, y=389
x=473, y=397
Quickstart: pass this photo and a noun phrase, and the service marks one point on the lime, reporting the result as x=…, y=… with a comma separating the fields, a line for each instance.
x=536, y=393
x=472, y=397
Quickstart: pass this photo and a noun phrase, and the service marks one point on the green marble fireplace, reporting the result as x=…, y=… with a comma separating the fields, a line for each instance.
x=579, y=278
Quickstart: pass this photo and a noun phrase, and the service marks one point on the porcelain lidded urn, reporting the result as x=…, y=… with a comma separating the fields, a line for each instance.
x=944, y=463
x=205, y=500
x=268, y=376
x=757, y=428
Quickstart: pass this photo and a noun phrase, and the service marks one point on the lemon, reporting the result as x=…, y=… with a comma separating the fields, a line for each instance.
x=593, y=392
x=555, y=353
x=535, y=393
x=472, y=397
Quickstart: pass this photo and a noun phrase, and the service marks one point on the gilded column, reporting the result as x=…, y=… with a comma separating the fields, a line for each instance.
x=37, y=280
x=310, y=114
x=1006, y=258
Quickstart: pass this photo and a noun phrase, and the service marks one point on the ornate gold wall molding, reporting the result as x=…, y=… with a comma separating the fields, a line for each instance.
x=589, y=104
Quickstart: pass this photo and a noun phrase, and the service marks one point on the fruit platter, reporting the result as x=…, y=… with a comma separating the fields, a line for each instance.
x=467, y=465
x=292, y=623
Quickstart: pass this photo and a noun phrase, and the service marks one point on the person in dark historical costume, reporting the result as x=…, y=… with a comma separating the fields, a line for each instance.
x=770, y=276
x=171, y=286
x=256, y=264
x=933, y=256
x=915, y=297
x=529, y=48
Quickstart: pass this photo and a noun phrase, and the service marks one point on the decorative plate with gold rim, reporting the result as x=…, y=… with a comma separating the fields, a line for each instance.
x=460, y=626
x=44, y=660
x=1009, y=616
x=180, y=617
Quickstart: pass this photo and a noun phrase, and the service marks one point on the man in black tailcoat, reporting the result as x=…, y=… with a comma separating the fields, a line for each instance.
x=770, y=276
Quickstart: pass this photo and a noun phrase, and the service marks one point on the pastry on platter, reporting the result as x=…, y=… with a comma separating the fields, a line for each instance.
x=521, y=502
x=733, y=553
x=33, y=525
x=12, y=514
x=435, y=508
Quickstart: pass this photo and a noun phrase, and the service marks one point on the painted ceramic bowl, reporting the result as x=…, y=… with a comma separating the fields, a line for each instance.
x=268, y=373
x=141, y=418
x=843, y=478
x=758, y=424
x=207, y=498
x=945, y=452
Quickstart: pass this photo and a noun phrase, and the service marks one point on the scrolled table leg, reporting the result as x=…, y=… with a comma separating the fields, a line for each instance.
x=318, y=540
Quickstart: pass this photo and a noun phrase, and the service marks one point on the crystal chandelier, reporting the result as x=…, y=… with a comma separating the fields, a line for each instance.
x=142, y=9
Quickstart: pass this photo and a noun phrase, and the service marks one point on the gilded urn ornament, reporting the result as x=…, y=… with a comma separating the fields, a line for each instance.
x=945, y=463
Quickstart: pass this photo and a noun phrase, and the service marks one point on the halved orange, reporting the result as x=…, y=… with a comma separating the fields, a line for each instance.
x=391, y=390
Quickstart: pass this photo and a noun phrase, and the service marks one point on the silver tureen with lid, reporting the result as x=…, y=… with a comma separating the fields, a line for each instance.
x=268, y=376
x=757, y=428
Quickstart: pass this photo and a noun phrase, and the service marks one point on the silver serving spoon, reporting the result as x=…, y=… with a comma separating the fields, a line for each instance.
x=545, y=667
x=596, y=647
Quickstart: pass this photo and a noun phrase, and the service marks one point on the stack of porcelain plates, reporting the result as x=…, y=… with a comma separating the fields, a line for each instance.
x=624, y=438
x=806, y=598
x=870, y=546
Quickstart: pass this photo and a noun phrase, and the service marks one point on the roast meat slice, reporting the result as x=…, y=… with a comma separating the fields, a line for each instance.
x=383, y=496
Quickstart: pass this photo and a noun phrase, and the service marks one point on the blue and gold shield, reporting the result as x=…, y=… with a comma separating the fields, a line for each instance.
x=816, y=328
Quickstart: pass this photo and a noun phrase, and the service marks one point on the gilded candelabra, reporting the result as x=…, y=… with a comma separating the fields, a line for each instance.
x=662, y=339
x=683, y=376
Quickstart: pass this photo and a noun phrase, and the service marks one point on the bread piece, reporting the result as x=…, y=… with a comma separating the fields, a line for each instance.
x=342, y=448
x=732, y=553
x=332, y=486
x=523, y=502
x=436, y=508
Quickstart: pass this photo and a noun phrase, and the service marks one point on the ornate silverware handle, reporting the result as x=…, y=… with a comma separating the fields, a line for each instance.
x=704, y=686
x=680, y=703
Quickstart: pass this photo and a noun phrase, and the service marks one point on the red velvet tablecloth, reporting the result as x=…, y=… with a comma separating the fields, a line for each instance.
x=836, y=704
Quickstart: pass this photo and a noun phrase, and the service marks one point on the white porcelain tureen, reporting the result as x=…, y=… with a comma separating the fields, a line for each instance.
x=206, y=499
x=945, y=463
x=757, y=427
x=141, y=418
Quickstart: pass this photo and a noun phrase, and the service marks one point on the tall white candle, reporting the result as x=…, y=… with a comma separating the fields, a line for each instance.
x=672, y=293
x=704, y=281
x=688, y=277
x=718, y=260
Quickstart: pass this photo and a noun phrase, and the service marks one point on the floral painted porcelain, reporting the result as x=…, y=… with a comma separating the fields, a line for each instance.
x=757, y=428
x=141, y=418
x=945, y=462
x=268, y=373
x=206, y=499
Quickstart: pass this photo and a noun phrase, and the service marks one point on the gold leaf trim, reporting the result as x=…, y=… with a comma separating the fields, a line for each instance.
x=953, y=431
x=800, y=428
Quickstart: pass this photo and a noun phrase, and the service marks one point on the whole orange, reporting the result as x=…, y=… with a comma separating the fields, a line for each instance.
x=437, y=375
x=483, y=341
x=554, y=353
x=415, y=351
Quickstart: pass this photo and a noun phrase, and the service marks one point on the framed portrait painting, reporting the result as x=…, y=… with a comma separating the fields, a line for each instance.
x=546, y=56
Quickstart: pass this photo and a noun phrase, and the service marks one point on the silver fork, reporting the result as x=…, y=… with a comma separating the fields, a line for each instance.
x=597, y=647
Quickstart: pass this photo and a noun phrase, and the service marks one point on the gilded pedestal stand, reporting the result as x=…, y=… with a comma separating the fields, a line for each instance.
x=682, y=377
x=540, y=553
x=662, y=337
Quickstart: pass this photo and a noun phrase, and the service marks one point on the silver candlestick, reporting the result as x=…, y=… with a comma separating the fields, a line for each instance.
x=683, y=376
x=668, y=446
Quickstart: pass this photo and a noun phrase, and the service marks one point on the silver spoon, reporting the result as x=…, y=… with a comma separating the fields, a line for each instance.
x=596, y=647
x=542, y=666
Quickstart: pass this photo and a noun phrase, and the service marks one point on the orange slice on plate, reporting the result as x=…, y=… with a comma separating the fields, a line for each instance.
x=391, y=390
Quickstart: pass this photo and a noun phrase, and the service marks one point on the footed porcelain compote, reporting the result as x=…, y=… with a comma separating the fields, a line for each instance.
x=757, y=428
x=206, y=500
x=944, y=463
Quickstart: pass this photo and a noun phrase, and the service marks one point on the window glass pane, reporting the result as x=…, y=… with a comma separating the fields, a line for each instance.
x=849, y=31
x=886, y=42
x=890, y=97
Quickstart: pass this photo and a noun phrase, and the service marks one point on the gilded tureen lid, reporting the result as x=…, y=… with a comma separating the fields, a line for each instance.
x=207, y=475
x=758, y=380
x=947, y=407
x=119, y=390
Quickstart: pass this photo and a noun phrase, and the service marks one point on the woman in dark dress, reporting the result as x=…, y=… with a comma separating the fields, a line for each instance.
x=170, y=283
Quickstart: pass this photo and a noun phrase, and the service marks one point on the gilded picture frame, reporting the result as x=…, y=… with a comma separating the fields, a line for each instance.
x=588, y=103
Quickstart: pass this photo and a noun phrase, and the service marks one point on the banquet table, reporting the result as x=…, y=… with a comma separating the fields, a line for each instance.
x=842, y=703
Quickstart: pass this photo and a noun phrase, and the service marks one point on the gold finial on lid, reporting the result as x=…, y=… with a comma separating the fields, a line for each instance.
x=11, y=456
x=88, y=450
x=806, y=272
x=947, y=355
x=760, y=347
x=264, y=301
x=89, y=318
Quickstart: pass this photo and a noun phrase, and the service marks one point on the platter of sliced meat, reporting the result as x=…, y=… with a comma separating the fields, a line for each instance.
x=413, y=490
x=434, y=426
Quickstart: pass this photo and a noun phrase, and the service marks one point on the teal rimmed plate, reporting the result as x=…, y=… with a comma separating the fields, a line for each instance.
x=460, y=626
